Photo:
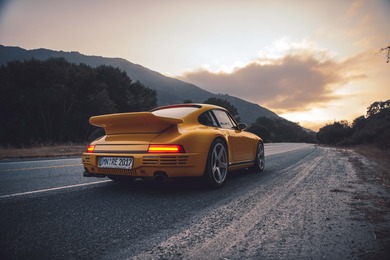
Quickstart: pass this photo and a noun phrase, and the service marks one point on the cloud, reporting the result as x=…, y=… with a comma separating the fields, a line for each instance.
x=297, y=81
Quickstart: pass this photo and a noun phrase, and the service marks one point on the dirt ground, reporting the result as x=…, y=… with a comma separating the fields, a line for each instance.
x=373, y=170
x=61, y=150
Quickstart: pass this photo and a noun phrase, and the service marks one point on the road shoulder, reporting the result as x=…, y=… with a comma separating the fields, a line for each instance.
x=371, y=199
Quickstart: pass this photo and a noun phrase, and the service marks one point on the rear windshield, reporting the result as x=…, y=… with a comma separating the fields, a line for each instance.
x=175, y=112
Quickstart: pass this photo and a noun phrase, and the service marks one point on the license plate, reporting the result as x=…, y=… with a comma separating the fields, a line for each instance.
x=116, y=162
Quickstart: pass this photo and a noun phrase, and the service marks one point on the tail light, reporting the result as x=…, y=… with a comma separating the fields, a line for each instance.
x=165, y=148
x=91, y=148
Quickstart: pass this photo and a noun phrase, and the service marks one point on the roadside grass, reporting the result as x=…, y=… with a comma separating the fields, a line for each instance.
x=381, y=158
x=54, y=150
x=374, y=202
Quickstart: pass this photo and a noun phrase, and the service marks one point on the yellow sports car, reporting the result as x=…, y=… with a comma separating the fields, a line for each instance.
x=183, y=140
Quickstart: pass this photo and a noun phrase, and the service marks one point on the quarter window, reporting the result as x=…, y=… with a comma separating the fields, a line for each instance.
x=207, y=119
x=224, y=119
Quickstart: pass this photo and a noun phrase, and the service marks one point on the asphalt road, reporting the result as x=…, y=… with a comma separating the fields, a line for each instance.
x=300, y=207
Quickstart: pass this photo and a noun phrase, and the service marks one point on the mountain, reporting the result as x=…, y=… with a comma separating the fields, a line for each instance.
x=169, y=90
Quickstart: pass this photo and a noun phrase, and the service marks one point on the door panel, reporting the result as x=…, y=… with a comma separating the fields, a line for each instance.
x=240, y=146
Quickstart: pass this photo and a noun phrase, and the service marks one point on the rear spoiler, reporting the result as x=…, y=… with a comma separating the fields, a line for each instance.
x=133, y=123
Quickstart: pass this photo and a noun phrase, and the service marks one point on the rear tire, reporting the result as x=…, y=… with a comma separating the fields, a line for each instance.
x=217, y=164
x=259, y=160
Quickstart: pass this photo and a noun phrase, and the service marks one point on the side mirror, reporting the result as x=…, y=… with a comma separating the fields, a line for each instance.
x=242, y=126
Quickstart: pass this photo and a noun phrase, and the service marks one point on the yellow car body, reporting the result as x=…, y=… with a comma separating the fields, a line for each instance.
x=186, y=140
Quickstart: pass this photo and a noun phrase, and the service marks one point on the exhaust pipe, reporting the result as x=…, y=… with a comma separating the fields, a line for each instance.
x=88, y=174
x=160, y=177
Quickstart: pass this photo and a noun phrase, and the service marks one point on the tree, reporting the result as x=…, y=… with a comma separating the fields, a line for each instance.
x=140, y=98
x=387, y=50
x=262, y=131
x=225, y=104
x=377, y=107
x=52, y=100
x=335, y=133
x=358, y=123
x=281, y=130
x=372, y=129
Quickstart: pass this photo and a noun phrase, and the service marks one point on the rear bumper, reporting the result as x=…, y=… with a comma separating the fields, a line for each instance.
x=148, y=165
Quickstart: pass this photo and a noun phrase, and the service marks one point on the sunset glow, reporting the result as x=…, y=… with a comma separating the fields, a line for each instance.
x=312, y=62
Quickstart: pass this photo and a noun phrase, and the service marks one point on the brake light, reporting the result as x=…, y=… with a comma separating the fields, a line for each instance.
x=165, y=148
x=91, y=148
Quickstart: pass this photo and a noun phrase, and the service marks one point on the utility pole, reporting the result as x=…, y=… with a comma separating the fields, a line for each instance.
x=387, y=50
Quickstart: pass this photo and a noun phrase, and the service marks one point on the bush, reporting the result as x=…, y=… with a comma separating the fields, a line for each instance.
x=374, y=129
x=281, y=130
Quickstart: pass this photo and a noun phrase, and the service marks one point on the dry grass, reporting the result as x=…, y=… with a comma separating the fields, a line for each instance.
x=42, y=151
x=381, y=158
x=374, y=202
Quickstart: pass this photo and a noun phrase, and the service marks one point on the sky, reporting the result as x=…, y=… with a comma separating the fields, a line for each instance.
x=311, y=62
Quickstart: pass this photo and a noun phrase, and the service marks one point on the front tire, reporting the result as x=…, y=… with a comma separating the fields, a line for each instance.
x=260, y=159
x=217, y=164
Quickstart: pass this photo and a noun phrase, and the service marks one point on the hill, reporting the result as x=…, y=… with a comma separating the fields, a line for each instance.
x=169, y=90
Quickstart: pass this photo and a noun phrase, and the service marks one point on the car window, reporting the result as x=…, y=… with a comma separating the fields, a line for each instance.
x=174, y=112
x=207, y=119
x=224, y=119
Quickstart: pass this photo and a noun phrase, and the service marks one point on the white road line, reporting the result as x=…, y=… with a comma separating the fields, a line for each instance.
x=52, y=189
x=40, y=168
x=40, y=161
